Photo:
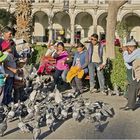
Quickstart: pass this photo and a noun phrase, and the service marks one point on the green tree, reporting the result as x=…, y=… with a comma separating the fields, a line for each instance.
x=6, y=18
x=123, y=30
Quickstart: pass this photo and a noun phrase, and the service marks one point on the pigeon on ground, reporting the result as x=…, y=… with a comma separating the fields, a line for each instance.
x=58, y=95
x=50, y=121
x=3, y=126
x=22, y=126
x=36, y=131
x=11, y=113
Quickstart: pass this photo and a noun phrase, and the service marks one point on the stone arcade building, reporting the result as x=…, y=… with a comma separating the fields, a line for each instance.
x=76, y=19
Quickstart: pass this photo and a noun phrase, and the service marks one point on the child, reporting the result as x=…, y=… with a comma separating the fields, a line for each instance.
x=80, y=61
x=19, y=82
x=2, y=75
x=10, y=69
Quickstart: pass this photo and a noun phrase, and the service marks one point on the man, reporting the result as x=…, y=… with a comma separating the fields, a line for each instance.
x=7, y=36
x=97, y=61
x=131, y=56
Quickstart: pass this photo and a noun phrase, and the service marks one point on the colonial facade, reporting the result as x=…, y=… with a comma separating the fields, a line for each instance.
x=76, y=19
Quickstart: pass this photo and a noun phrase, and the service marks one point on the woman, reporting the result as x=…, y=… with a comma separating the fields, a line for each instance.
x=80, y=61
x=61, y=67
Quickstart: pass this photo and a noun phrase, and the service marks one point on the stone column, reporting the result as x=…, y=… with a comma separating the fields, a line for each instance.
x=95, y=21
x=50, y=17
x=72, y=29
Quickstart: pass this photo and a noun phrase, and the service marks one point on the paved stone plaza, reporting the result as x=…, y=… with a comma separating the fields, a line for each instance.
x=124, y=125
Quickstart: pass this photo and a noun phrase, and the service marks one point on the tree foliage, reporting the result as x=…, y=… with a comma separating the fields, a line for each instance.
x=118, y=73
x=6, y=18
x=123, y=30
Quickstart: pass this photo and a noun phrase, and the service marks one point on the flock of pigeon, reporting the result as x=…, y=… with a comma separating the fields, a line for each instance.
x=45, y=105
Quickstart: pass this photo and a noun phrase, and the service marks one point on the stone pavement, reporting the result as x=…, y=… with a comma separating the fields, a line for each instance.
x=124, y=124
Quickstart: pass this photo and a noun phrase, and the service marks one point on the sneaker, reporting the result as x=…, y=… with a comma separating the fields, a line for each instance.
x=104, y=93
x=93, y=90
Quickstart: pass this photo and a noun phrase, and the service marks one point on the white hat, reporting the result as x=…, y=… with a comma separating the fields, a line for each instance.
x=131, y=43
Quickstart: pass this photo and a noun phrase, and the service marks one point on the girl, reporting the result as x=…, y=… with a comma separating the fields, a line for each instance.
x=80, y=60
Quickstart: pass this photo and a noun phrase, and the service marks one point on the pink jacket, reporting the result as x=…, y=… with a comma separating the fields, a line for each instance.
x=60, y=61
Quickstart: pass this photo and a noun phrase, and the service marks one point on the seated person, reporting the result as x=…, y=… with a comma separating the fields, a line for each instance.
x=61, y=67
x=80, y=61
x=47, y=64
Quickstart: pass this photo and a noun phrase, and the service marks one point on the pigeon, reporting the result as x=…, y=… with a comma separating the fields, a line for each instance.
x=32, y=95
x=50, y=121
x=11, y=113
x=3, y=126
x=76, y=115
x=97, y=118
x=22, y=126
x=108, y=109
x=116, y=91
x=30, y=115
x=58, y=95
x=64, y=113
x=36, y=131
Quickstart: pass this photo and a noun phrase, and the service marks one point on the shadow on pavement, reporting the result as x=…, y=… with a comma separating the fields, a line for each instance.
x=11, y=131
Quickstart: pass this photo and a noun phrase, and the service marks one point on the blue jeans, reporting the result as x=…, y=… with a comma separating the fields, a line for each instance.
x=8, y=90
x=92, y=66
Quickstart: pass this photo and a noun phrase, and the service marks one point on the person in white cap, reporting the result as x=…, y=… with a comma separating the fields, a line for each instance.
x=131, y=55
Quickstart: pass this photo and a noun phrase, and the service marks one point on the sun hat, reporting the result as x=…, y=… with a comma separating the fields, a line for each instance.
x=130, y=43
x=2, y=56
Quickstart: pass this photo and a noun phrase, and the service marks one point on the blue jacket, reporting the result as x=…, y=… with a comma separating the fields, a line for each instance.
x=83, y=60
x=91, y=49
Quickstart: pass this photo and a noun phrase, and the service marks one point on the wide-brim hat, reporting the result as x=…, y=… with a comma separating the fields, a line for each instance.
x=130, y=43
x=2, y=56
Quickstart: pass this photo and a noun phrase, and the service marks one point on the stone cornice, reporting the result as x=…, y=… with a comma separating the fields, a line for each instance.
x=45, y=5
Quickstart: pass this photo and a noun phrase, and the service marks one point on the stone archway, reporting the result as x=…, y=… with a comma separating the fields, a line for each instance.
x=133, y=22
x=83, y=26
x=40, y=22
x=61, y=26
x=101, y=24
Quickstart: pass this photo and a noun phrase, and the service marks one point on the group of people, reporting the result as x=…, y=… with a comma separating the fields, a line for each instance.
x=73, y=66
x=8, y=66
x=91, y=59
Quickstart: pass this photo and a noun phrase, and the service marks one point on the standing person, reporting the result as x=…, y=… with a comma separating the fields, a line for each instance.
x=131, y=55
x=2, y=75
x=7, y=36
x=10, y=69
x=97, y=61
x=61, y=67
x=80, y=61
